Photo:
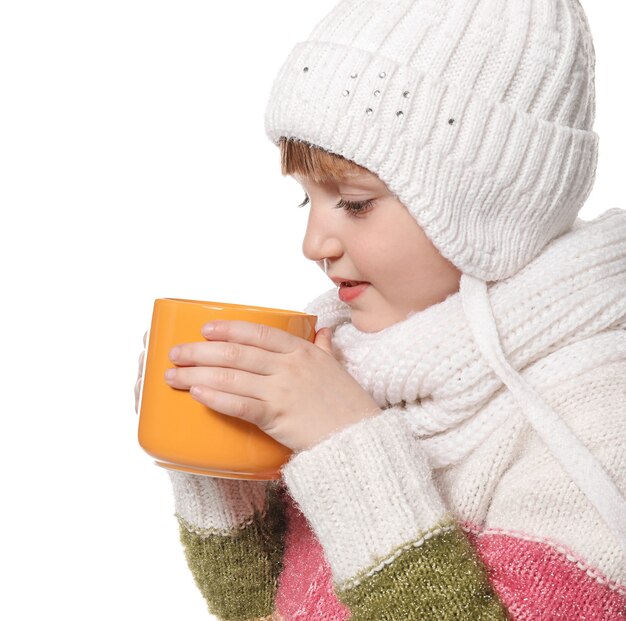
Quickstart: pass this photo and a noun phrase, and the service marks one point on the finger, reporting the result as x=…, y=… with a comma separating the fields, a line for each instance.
x=250, y=410
x=137, y=392
x=250, y=333
x=141, y=357
x=232, y=381
x=323, y=340
x=144, y=338
x=227, y=355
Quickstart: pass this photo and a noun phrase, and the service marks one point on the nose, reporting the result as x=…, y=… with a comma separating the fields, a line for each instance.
x=321, y=239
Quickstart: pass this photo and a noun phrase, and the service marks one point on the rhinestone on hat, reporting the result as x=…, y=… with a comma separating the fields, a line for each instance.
x=406, y=93
x=382, y=74
x=368, y=111
x=354, y=75
x=400, y=113
x=376, y=93
x=451, y=121
x=346, y=92
x=305, y=69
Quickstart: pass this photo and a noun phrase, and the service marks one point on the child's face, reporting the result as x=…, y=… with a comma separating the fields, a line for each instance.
x=381, y=244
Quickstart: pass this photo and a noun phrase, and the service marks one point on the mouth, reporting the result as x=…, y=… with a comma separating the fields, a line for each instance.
x=342, y=282
x=350, y=290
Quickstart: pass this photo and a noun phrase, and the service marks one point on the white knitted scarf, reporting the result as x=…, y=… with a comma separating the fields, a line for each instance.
x=442, y=366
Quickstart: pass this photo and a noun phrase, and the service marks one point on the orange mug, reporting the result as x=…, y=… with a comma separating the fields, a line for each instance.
x=184, y=434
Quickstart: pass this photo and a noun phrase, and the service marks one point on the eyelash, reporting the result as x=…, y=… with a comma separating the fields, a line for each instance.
x=354, y=208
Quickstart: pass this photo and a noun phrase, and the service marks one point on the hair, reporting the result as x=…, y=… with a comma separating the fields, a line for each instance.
x=303, y=158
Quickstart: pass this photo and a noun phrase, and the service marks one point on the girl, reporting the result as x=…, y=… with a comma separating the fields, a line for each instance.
x=458, y=424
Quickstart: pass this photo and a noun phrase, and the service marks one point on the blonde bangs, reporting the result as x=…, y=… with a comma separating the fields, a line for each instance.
x=302, y=158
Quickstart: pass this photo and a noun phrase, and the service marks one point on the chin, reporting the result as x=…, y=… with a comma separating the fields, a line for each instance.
x=365, y=323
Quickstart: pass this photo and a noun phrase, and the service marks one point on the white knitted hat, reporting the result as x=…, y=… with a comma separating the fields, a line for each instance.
x=477, y=114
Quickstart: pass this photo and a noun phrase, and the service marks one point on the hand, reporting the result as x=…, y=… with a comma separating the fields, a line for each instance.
x=294, y=390
x=139, y=372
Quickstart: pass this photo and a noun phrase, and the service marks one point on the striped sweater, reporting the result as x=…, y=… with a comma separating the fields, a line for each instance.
x=449, y=504
x=365, y=530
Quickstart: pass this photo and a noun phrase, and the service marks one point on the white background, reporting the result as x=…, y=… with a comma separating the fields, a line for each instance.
x=134, y=165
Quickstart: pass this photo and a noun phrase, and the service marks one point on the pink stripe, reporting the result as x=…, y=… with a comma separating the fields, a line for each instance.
x=305, y=587
x=536, y=582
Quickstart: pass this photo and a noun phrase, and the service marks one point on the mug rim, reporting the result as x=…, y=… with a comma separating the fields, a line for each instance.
x=250, y=307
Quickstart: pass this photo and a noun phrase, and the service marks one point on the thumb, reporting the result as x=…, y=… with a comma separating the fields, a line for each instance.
x=323, y=340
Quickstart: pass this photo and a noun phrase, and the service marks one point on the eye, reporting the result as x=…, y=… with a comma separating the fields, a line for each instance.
x=355, y=207
x=352, y=207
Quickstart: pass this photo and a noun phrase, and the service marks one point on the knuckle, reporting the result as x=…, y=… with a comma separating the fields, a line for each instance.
x=263, y=332
x=232, y=352
x=283, y=395
x=291, y=364
x=225, y=377
x=298, y=359
x=242, y=410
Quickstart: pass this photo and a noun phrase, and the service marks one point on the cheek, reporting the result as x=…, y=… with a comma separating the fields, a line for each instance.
x=407, y=265
x=397, y=251
x=414, y=246
x=384, y=263
x=375, y=256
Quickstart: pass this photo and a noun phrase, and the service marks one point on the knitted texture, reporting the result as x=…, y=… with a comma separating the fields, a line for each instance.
x=460, y=586
x=477, y=114
x=492, y=484
x=232, y=533
x=532, y=578
x=431, y=366
x=353, y=489
x=365, y=523
x=536, y=581
x=305, y=592
x=214, y=504
x=368, y=493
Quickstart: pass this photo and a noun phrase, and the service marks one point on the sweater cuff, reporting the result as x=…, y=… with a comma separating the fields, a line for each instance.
x=366, y=491
x=212, y=505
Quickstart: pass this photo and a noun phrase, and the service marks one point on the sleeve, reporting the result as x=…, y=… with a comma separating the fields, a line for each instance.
x=394, y=550
x=232, y=533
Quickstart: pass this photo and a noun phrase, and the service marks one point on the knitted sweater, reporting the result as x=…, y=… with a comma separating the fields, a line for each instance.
x=366, y=526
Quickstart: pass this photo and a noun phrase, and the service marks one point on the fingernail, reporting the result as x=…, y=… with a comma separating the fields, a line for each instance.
x=169, y=374
x=174, y=353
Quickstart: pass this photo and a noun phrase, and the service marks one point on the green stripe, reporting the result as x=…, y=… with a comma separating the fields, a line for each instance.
x=237, y=572
x=442, y=579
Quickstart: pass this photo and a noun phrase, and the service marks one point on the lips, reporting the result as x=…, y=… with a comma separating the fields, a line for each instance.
x=347, y=282
x=348, y=293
